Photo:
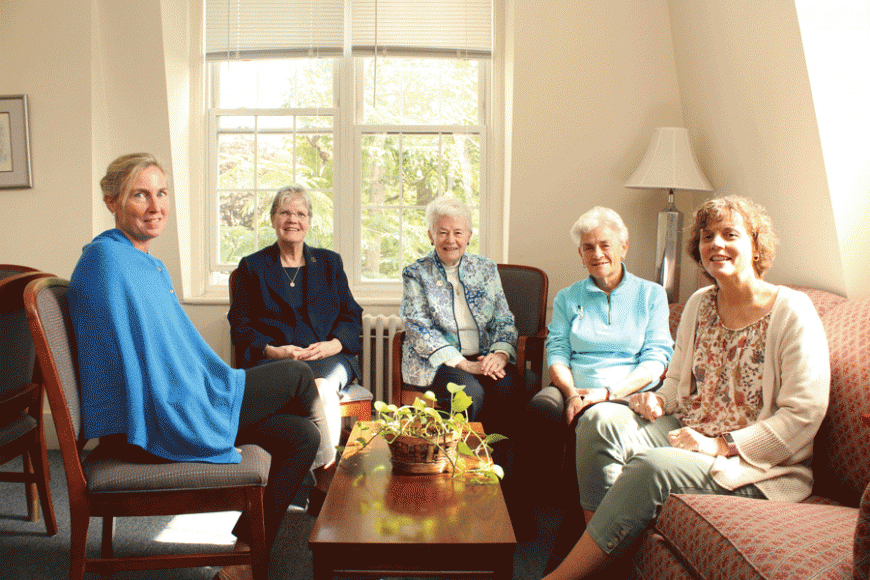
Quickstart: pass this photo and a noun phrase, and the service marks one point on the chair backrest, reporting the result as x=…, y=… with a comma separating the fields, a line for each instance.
x=17, y=355
x=45, y=302
x=7, y=270
x=525, y=288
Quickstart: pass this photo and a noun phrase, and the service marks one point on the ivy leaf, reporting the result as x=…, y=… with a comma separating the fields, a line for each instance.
x=453, y=388
x=461, y=402
x=494, y=438
x=463, y=448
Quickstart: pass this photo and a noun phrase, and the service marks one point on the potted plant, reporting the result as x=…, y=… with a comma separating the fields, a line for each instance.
x=424, y=439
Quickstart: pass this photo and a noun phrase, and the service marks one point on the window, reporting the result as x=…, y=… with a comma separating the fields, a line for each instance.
x=372, y=138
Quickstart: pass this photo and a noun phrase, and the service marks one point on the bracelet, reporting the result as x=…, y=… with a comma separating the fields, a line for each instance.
x=568, y=400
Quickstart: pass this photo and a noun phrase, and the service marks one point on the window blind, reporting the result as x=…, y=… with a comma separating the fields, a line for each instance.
x=458, y=28
x=250, y=29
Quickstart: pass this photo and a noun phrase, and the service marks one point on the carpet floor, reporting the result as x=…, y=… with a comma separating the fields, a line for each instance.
x=26, y=553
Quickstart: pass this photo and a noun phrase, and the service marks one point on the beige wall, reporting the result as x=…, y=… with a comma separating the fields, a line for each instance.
x=45, y=52
x=746, y=97
x=591, y=80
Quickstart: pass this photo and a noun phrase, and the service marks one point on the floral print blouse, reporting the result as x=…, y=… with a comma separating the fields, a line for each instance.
x=727, y=368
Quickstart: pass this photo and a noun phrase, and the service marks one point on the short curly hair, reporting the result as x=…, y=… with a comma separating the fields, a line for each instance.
x=755, y=219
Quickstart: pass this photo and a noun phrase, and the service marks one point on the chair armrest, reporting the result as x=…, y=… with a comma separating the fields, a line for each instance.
x=396, y=391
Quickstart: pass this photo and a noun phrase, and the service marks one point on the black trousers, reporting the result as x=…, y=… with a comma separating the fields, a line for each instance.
x=282, y=413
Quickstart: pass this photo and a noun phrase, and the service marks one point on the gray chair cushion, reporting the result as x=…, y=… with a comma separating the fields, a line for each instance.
x=109, y=474
x=17, y=428
x=354, y=392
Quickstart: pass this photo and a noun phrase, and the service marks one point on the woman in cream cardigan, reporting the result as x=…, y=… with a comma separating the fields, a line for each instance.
x=743, y=398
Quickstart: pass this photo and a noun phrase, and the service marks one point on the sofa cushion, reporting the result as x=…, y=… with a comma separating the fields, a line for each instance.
x=731, y=537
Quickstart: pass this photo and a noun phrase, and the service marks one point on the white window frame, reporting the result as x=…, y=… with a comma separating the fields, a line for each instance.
x=347, y=169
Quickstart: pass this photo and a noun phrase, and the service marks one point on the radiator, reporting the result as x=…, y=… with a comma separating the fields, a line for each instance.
x=377, y=339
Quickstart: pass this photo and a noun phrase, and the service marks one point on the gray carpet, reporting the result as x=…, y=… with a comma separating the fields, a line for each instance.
x=26, y=553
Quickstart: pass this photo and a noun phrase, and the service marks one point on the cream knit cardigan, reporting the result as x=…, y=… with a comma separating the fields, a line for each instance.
x=775, y=451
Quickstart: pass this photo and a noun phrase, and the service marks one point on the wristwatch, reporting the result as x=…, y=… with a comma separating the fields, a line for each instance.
x=729, y=441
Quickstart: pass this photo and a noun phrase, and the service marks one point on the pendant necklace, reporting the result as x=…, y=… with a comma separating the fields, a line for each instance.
x=293, y=279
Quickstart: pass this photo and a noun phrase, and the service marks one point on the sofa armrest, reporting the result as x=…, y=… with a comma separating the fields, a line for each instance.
x=861, y=546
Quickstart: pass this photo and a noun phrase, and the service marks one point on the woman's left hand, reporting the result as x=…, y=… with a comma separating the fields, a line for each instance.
x=492, y=365
x=690, y=440
x=320, y=350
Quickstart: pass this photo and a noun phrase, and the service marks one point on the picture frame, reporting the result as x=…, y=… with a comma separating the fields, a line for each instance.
x=15, y=171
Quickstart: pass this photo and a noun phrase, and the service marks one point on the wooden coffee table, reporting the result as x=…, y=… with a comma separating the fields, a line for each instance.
x=374, y=523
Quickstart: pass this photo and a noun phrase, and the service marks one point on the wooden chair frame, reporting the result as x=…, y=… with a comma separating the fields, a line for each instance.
x=84, y=504
x=29, y=398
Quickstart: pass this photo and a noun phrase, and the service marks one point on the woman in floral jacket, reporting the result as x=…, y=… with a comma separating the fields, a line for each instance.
x=459, y=328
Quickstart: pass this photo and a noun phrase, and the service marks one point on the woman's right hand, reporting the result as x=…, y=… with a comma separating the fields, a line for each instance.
x=648, y=405
x=288, y=351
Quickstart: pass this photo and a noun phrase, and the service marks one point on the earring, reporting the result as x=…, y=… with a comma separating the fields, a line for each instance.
x=756, y=257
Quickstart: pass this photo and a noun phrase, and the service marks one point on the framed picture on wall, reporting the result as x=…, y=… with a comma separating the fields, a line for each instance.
x=14, y=143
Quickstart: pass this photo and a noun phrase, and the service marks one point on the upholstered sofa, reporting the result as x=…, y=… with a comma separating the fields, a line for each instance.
x=825, y=536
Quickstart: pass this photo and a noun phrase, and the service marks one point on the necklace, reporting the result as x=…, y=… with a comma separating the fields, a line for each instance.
x=293, y=279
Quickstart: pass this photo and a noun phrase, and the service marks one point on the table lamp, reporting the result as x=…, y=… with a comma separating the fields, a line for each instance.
x=669, y=163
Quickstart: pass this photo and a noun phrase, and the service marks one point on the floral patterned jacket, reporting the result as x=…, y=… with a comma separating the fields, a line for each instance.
x=431, y=330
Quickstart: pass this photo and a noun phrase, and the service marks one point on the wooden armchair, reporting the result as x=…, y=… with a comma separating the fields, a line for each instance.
x=525, y=288
x=101, y=485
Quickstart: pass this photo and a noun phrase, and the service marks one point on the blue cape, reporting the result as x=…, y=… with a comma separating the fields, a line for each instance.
x=144, y=368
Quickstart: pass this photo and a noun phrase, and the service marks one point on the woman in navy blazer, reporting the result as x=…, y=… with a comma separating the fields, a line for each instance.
x=291, y=301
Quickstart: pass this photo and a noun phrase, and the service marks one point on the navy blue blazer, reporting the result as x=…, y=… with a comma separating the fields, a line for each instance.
x=260, y=314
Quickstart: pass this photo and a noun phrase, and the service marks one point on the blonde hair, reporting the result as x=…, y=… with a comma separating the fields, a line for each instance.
x=123, y=172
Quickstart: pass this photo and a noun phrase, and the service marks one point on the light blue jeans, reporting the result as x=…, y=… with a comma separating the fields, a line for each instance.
x=626, y=469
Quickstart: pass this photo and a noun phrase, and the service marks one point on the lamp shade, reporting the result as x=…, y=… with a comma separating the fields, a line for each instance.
x=669, y=163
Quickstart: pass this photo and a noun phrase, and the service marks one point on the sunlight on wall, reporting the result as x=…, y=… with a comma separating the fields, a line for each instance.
x=211, y=528
x=836, y=39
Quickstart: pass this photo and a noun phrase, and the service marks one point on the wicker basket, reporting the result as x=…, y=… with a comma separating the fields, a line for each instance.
x=414, y=455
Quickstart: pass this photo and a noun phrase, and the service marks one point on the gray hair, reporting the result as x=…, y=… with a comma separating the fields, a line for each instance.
x=291, y=192
x=447, y=207
x=596, y=217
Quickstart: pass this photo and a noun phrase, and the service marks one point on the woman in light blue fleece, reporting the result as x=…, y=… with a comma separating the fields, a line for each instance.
x=609, y=336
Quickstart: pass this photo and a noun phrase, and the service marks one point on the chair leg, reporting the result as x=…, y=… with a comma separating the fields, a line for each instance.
x=256, y=519
x=79, y=520
x=30, y=488
x=43, y=476
x=106, y=549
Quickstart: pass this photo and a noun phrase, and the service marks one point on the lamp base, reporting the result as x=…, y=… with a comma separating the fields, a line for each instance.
x=668, y=240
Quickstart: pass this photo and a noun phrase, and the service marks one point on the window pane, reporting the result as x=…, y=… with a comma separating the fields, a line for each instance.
x=235, y=161
x=380, y=169
x=419, y=91
x=274, y=84
x=237, y=210
x=462, y=168
x=381, y=258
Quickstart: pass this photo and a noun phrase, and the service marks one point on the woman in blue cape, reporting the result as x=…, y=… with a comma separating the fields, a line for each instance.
x=152, y=388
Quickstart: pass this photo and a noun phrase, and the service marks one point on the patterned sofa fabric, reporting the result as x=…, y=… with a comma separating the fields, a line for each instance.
x=720, y=537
